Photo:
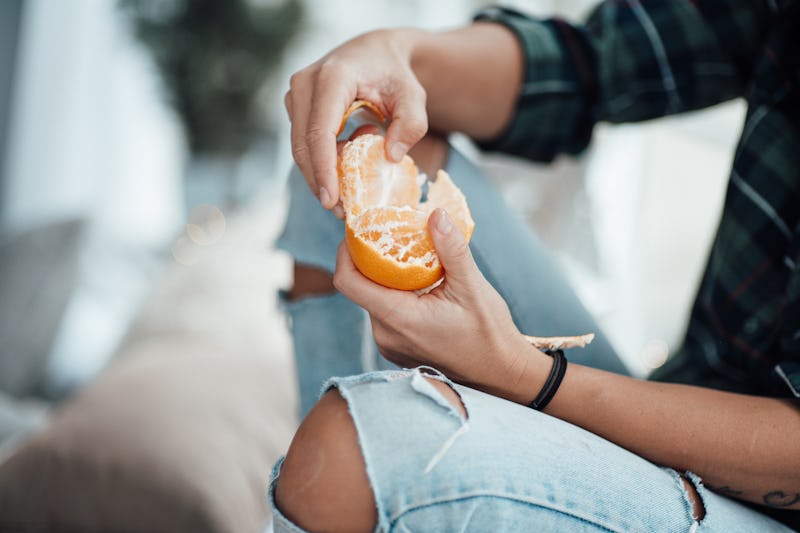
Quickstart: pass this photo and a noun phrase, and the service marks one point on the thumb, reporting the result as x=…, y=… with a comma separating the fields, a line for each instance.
x=409, y=122
x=451, y=247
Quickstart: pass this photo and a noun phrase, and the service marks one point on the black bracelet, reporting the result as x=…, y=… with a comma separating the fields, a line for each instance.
x=553, y=380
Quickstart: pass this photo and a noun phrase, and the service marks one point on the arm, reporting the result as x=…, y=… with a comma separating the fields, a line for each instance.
x=629, y=62
x=743, y=443
x=470, y=79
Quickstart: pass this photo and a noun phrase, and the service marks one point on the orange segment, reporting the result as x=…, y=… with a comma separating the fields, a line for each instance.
x=444, y=194
x=372, y=180
x=386, y=224
x=392, y=246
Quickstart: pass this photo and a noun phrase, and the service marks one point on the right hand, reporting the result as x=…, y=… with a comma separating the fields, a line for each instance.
x=375, y=67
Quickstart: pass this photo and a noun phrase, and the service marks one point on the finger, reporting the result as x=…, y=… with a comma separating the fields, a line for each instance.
x=379, y=301
x=298, y=106
x=338, y=211
x=328, y=105
x=452, y=249
x=409, y=120
x=287, y=103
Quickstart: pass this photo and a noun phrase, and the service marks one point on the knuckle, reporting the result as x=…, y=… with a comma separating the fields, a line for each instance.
x=461, y=250
x=294, y=82
x=417, y=126
x=317, y=135
x=299, y=152
x=315, y=131
x=330, y=69
x=418, y=92
x=298, y=80
x=337, y=280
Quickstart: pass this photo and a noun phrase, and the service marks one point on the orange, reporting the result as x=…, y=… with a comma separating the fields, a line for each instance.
x=355, y=106
x=386, y=223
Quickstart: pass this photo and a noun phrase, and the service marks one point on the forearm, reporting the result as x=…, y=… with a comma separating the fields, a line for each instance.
x=471, y=77
x=745, y=445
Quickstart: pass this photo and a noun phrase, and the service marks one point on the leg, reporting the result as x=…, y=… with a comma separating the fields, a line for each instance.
x=418, y=457
x=324, y=483
x=509, y=255
x=328, y=330
x=332, y=336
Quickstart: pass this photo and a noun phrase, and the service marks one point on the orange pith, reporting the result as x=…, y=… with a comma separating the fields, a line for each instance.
x=386, y=224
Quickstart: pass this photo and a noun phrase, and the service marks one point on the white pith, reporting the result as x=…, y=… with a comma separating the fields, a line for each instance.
x=387, y=173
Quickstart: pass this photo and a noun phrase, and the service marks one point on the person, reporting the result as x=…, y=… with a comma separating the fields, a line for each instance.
x=456, y=436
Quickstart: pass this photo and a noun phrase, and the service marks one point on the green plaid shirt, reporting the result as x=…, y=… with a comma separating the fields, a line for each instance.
x=636, y=60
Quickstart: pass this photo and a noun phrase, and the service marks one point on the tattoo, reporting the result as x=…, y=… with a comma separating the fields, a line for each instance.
x=725, y=490
x=778, y=498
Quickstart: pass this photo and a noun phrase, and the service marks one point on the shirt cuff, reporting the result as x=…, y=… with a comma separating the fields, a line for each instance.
x=554, y=108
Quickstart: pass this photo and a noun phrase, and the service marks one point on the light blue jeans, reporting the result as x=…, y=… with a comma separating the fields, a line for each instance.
x=505, y=467
x=508, y=468
x=333, y=337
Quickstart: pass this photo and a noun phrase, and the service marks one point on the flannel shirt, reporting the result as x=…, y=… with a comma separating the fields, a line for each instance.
x=636, y=60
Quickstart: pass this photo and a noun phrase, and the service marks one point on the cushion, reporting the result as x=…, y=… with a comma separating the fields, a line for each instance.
x=180, y=431
x=175, y=437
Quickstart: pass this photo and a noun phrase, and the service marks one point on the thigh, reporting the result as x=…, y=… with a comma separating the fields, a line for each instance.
x=508, y=468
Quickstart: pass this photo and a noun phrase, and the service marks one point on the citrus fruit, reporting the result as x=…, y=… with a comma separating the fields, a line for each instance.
x=386, y=221
x=355, y=106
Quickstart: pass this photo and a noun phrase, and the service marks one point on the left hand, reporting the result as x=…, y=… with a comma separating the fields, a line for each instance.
x=463, y=327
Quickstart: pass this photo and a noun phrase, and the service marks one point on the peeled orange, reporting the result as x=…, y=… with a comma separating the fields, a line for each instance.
x=386, y=221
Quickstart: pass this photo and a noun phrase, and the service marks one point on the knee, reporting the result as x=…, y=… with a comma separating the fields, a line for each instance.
x=323, y=484
x=698, y=509
x=310, y=281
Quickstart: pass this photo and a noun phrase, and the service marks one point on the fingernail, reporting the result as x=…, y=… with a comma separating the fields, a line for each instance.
x=338, y=211
x=397, y=151
x=445, y=225
x=324, y=196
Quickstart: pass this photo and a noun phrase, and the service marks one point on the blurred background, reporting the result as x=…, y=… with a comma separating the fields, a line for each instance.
x=143, y=154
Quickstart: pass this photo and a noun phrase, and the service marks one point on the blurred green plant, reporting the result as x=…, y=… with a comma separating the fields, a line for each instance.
x=214, y=57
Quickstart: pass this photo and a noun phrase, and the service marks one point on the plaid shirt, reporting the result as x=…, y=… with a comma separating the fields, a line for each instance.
x=636, y=60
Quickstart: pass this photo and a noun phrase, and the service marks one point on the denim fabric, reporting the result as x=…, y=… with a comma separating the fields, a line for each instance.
x=333, y=337
x=505, y=468
x=508, y=468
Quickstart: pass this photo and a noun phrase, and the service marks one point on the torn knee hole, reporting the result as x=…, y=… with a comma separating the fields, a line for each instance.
x=310, y=281
x=323, y=483
x=698, y=509
x=449, y=394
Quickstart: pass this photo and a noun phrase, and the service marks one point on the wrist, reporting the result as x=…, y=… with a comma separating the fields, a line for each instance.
x=404, y=42
x=523, y=373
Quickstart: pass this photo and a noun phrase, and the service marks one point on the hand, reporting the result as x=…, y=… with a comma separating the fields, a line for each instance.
x=463, y=327
x=375, y=67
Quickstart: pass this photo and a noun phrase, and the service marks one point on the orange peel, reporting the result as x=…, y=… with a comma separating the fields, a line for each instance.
x=355, y=106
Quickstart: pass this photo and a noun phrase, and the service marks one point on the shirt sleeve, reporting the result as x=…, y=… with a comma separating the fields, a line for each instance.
x=630, y=61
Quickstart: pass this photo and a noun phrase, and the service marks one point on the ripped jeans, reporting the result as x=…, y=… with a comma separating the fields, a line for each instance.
x=506, y=467
x=333, y=336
